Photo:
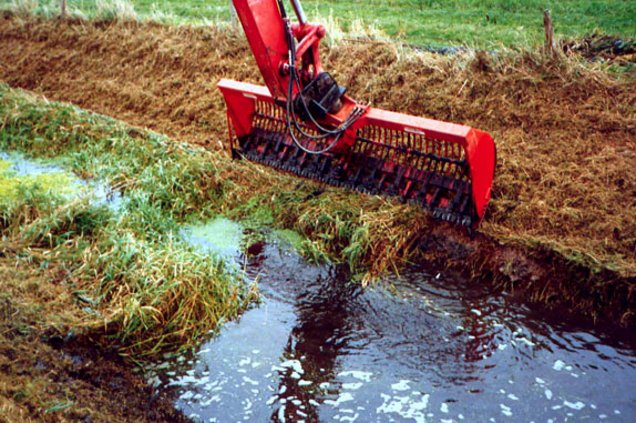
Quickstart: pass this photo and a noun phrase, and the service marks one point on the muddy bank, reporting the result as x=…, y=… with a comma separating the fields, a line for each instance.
x=46, y=373
x=562, y=224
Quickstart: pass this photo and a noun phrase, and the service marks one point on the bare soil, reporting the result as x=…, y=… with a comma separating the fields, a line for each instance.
x=562, y=223
x=47, y=373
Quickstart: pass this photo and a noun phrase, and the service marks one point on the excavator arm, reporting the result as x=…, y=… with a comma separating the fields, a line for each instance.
x=303, y=122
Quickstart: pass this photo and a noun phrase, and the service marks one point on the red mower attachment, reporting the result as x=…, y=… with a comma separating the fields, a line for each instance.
x=303, y=123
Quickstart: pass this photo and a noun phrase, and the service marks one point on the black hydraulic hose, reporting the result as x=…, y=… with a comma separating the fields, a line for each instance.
x=291, y=118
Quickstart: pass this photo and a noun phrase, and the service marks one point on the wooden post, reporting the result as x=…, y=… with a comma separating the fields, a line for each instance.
x=549, y=47
x=63, y=9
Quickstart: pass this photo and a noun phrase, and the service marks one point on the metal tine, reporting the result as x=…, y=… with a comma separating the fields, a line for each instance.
x=384, y=160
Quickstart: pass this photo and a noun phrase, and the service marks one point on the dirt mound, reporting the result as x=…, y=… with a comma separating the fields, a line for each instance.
x=565, y=133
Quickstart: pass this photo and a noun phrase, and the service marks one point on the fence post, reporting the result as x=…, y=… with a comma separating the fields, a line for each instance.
x=549, y=47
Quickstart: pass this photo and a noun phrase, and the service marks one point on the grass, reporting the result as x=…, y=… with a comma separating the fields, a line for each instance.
x=145, y=290
x=487, y=24
x=40, y=382
x=148, y=290
x=167, y=182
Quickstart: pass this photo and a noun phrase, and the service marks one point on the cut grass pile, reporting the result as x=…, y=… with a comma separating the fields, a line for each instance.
x=488, y=24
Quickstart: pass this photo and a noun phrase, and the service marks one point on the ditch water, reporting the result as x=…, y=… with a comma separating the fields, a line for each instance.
x=18, y=170
x=420, y=347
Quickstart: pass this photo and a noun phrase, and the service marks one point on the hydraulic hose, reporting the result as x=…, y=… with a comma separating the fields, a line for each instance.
x=291, y=118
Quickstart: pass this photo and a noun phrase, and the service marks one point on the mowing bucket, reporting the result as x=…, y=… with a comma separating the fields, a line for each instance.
x=304, y=123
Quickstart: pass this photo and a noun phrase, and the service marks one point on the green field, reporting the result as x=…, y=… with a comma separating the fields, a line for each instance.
x=476, y=23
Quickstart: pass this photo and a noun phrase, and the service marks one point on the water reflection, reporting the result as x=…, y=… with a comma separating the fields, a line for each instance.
x=315, y=342
x=422, y=347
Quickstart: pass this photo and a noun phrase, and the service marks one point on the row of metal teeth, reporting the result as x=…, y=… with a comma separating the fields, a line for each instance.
x=368, y=175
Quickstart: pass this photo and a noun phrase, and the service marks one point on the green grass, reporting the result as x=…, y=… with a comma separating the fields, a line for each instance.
x=476, y=23
x=148, y=289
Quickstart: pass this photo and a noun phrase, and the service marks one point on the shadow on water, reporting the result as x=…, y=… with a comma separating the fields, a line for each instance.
x=419, y=347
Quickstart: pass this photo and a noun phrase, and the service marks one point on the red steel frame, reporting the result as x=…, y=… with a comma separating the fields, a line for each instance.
x=265, y=31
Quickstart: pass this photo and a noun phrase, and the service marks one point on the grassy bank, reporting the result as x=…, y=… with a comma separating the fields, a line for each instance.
x=143, y=289
x=47, y=373
x=482, y=24
x=553, y=232
x=562, y=168
x=169, y=182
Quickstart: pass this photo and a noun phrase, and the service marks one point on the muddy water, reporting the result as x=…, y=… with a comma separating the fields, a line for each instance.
x=421, y=347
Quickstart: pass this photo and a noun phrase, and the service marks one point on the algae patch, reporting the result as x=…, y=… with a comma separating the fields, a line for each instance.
x=18, y=174
x=220, y=236
x=289, y=237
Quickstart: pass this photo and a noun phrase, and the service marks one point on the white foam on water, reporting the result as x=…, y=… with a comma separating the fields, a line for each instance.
x=344, y=397
x=505, y=410
x=213, y=398
x=402, y=385
x=526, y=341
x=250, y=381
x=183, y=381
x=272, y=400
x=548, y=394
x=363, y=376
x=407, y=407
x=574, y=405
x=295, y=365
x=558, y=365
x=352, y=386
x=349, y=418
